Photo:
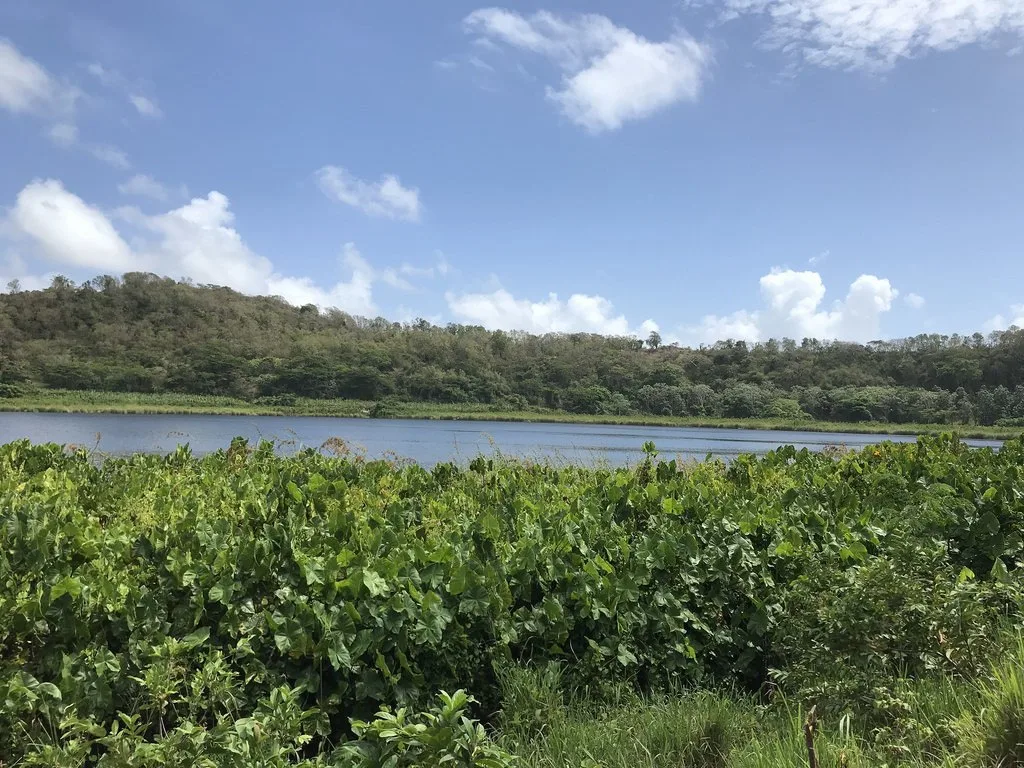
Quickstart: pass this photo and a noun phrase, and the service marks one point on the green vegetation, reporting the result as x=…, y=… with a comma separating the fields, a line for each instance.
x=148, y=335
x=247, y=609
x=70, y=401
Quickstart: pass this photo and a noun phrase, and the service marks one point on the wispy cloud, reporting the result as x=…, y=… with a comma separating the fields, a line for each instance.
x=145, y=106
x=27, y=87
x=820, y=258
x=876, y=34
x=144, y=186
x=63, y=134
x=914, y=300
x=110, y=155
x=386, y=198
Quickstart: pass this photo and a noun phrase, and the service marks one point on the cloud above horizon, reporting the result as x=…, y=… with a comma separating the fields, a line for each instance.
x=499, y=309
x=793, y=307
x=196, y=241
x=1013, y=319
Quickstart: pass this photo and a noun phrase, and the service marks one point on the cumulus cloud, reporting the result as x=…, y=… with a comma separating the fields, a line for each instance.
x=67, y=230
x=876, y=34
x=386, y=198
x=26, y=87
x=611, y=75
x=794, y=308
x=1014, y=319
x=143, y=186
x=197, y=240
x=914, y=301
x=145, y=107
x=580, y=313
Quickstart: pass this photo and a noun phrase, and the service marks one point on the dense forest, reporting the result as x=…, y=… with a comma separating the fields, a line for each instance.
x=143, y=333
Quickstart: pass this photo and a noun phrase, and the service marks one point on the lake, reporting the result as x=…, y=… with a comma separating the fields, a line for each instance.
x=427, y=442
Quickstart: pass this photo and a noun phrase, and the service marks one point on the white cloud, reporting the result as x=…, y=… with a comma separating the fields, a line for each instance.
x=794, y=309
x=143, y=186
x=67, y=230
x=391, y=276
x=914, y=301
x=404, y=276
x=197, y=240
x=63, y=134
x=146, y=107
x=500, y=309
x=108, y=77
x=25, y=86
x=611, y=75
x=440, y=269
x=820, y=258
x=875, y=34
x=386, y=198
x=111, y=156
x=1015, y=319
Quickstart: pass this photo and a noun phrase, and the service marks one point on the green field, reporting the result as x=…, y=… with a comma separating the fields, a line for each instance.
x=67, y=401
x=247, y=609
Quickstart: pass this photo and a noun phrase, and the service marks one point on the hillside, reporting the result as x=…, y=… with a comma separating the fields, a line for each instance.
x=143, y=333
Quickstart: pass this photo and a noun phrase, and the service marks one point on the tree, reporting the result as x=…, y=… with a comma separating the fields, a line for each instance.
x=654, y=340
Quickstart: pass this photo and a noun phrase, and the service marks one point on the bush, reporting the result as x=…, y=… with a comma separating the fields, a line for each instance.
x=443, y=735
x=148, y=598
x=383, y=409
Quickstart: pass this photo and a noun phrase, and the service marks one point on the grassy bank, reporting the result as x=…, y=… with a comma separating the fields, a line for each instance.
x=65, y=401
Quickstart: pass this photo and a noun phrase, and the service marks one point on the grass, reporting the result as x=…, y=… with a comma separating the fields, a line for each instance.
x=66, y=401
x=943, y=722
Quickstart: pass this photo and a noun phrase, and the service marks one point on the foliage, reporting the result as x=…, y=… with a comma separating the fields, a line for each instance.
x=146, y=334
x=993, y=734
x=261, y=609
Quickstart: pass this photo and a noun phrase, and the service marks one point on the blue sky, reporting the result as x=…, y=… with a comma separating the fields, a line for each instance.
x=744, y=168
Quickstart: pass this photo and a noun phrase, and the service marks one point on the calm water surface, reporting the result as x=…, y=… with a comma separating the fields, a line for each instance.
x=427, y=442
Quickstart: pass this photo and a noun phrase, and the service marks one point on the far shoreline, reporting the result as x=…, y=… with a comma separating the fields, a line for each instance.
x=113, y=403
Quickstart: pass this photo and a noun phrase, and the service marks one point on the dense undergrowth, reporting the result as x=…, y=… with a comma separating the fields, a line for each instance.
x=245, y=609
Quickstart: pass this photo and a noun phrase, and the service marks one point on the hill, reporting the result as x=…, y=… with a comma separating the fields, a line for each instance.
x=143, y=333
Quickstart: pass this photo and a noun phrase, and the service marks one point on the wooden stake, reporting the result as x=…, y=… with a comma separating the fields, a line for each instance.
x=810, y=727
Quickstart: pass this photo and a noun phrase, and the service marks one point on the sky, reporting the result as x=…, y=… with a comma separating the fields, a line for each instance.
x=744, y=169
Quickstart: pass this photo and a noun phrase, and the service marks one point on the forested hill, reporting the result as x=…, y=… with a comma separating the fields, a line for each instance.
x=149, y=334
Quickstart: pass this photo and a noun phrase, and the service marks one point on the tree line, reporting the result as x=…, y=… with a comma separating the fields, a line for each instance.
x=144, y=333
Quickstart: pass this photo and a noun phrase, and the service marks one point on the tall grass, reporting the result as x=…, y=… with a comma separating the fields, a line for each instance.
x=939, y=721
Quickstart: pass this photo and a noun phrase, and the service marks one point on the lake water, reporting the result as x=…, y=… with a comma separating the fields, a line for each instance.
x=427, y=442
